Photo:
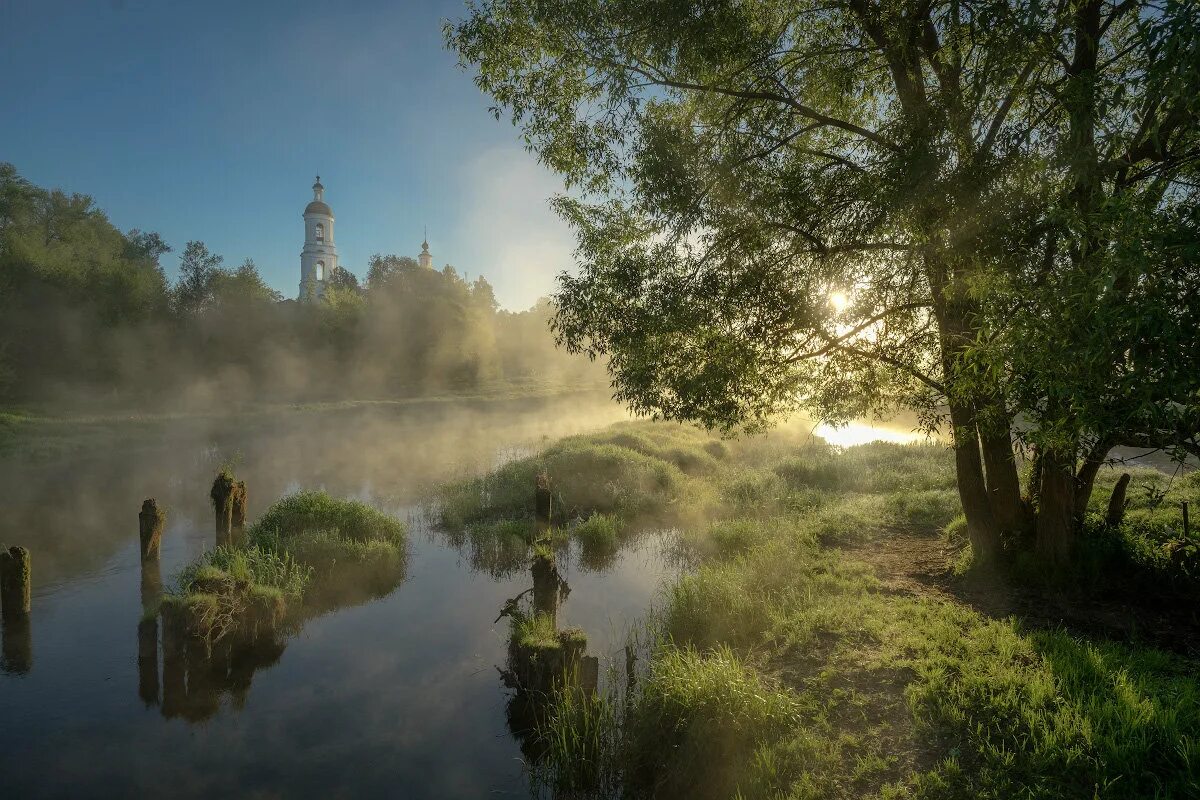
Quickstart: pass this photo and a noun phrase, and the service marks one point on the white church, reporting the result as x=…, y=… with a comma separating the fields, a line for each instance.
x=319, y=257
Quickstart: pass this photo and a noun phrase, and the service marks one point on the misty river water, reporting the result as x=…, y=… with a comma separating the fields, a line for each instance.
x=397, y=697
x=400, y=696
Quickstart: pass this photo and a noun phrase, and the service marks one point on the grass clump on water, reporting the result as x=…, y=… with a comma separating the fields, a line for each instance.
x=308, y=552
x=313, y=512
x=598, y=474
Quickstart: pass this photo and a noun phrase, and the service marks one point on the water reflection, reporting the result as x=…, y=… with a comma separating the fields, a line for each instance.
x=16, y=655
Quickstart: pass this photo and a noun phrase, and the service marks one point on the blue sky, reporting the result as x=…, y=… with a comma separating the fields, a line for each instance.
x=209, y=120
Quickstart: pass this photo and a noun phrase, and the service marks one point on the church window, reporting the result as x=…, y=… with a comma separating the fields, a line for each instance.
x=320, y=269
x=320, y=232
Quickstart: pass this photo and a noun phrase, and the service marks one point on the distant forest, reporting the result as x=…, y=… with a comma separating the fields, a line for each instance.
x=88, y=317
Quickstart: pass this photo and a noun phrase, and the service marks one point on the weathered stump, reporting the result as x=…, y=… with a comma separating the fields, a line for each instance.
x=1116, y=503
x=543, y=499
x=15, y=592
x=222, y=492
x=151, y=520
x=147, y=664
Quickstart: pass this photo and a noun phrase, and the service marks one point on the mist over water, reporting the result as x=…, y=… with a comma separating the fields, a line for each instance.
x=397, y=695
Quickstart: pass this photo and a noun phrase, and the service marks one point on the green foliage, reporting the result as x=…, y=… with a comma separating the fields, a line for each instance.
x=86, y=311
x=978, y=212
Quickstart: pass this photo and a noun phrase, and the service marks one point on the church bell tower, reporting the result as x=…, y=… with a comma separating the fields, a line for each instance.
x=318, y=259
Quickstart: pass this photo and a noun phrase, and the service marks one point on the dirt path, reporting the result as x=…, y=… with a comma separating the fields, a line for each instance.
x=922, y=566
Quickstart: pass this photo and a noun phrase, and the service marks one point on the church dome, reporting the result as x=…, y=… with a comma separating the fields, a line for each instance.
x=318, y=207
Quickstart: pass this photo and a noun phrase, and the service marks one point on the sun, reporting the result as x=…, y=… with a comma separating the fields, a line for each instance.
x=839, y=301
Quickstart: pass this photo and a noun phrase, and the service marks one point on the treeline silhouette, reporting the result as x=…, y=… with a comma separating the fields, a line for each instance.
x=88, y=317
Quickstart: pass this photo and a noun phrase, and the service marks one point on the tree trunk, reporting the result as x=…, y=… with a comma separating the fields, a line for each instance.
x=972, y=489
x=1003, y=485
x=1116, y=503
x=1035, y=478
x=1087, y=477
x=1056, y=512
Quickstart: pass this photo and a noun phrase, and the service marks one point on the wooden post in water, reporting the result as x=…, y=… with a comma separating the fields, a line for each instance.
x=1116, y=503
x=222, y=492
x=151, y=520
x=15, y=594
x=543, y=499
x=16, y=647
x=548, y=587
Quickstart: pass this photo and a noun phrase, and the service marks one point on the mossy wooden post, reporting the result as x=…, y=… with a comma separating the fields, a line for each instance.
x=238, y=520
x=15, y=596
x=151, y=520
x=1116, y=503
x=147, y=664
x=543, y=499
x=16, y=649
x=547, y=586
x=222, y=493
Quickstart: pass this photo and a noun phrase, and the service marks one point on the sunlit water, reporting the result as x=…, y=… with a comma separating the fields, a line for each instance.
x=401, y=696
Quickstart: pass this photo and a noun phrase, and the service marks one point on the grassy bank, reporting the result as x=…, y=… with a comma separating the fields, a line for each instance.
x=788, y=665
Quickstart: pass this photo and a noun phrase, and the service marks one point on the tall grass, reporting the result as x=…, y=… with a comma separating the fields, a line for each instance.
x=264, y=567
x=311, y=512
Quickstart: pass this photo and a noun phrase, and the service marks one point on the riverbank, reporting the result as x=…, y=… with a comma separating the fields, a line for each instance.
x=834, y=639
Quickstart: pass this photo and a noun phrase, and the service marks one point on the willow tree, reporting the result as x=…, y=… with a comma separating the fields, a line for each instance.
x=832, y=204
